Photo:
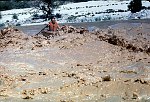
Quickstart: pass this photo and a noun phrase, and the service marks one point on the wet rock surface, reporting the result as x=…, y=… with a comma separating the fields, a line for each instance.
x=76, y=65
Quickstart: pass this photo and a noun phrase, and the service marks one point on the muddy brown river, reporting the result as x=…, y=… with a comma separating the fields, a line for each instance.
x=109, y=64
x=32, y=30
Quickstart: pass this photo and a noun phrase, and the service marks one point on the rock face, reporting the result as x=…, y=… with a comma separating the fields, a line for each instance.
x=105, y=65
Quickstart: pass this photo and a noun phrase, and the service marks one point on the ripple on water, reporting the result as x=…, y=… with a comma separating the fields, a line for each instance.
x=125, y=25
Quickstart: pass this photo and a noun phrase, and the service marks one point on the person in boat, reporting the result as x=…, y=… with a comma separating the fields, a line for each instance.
x=53, y=25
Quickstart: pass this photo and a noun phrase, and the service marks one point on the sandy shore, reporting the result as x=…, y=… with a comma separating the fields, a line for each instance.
x=105, y=65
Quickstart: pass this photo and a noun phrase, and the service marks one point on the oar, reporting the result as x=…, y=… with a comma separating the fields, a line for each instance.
x=41, y=30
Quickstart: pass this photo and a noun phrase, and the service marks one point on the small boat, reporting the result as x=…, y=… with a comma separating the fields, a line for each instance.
x=49, y=34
